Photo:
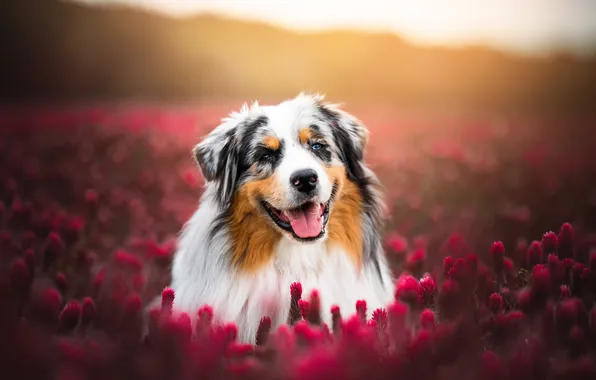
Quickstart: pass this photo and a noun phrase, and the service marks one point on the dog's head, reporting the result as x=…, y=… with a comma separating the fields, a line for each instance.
x=289, y=161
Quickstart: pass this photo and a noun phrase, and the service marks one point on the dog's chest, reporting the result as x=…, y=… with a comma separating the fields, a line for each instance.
x=316, y=267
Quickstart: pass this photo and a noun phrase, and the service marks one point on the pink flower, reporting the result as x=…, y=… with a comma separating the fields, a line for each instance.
x=549, y=242
x=70, y=316
x=397, y=244
x=497, y=251
x=427, y=319
x=20, y=277
x=127, y=260
x=87, y=311
x=492, y=366
x=449, y=298
x=407, y=290
x=565, y=292
x=565, y=240
x=314, y=308
x=361, y=309
x=61, y=283
x=335, y=319
x=448, y=263
x=534, y=255
x=295, y=310
x=428, y=291
x=263, y=331
x=415, y=261
x=205, y=319
x=304, y=308
x=54, y=247
x=167, y=301
x=495, y=303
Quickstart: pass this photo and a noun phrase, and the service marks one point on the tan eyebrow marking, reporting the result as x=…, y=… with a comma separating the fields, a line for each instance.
x=304, y=135
x=271, y=142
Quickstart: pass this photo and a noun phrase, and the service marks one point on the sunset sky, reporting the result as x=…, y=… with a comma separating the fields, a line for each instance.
x=521, y=25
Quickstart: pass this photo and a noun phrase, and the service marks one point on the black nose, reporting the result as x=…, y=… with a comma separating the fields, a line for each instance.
x=304, y=180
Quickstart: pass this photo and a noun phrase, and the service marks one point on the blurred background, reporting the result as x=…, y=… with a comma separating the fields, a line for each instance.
x=481, y=113
x=499, y=55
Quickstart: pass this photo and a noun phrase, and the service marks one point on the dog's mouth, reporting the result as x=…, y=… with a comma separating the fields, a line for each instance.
x=306, y=222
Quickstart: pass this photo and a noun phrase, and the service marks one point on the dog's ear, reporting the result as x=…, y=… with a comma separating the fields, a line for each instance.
x=350, y=136
x=217, y=156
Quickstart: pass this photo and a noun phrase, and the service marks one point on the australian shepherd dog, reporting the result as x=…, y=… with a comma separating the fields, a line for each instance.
x=287, y=199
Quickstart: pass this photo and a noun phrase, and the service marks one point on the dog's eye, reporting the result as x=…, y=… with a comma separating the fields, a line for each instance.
x=316, y=146
x=265, y=156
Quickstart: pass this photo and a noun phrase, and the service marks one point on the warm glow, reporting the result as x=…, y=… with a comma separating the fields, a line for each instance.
x=531, y=25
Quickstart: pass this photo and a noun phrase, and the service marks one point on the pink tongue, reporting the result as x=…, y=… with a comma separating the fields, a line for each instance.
x=306, y=223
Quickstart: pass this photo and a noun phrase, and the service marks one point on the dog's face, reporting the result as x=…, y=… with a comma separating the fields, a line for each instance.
x=288, y=160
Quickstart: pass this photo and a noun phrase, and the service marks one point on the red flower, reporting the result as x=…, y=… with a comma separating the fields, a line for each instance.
x=492, y=366
x=127, y=260
x=415, y=261
x=295, y=311
x=534, y=255
x=70, y=316
x=541, y=282
x=497, y=251
x=205, y=318
x=549, y=242
x=54, y=247
x=167, y=301
x=335, y=319
x=428, y=291
x=565, y=241
x=448, y=263
x=263, y=331
x=568, y=313
x=87, y=311
x=565, y=292
x=20, y=277
x=449, y=298
x=132, y=305
x=361, y=309
x=397, y=244
x=427, y=319
x=495, y=303
x=314, y=308
x=407, y=290
x=61, y=283
x=379, y=318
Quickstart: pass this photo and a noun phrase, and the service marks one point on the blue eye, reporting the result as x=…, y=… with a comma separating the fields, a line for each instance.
x=316, y=146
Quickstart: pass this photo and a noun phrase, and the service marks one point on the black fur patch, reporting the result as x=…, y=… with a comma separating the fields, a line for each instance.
x=237, y=167
x=250, y=130
x=227, y=165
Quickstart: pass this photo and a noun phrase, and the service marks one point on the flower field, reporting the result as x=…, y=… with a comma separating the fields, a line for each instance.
x=490, y=230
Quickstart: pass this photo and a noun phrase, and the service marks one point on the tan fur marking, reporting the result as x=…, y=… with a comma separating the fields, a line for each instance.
x=304, y=135
x=344, y=221
x=271, y=142
x=254, y=237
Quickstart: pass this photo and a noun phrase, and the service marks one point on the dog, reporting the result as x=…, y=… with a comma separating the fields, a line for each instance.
x=287, y=198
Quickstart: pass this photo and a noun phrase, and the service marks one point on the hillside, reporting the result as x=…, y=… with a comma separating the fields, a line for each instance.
x=64, y=51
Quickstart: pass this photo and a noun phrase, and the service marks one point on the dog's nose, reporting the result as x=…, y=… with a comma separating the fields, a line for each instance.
x=304, y=180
